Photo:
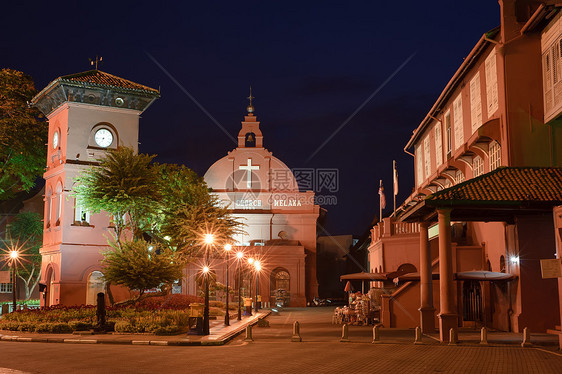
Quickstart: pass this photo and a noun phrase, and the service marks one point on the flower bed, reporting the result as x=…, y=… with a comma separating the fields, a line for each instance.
x=158, y=315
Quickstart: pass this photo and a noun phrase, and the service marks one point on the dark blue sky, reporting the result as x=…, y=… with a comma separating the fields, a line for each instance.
x=311, y=65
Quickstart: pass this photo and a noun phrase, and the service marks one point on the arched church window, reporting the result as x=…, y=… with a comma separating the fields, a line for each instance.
x=96, y=284
x=250, y=139
x=280, y=280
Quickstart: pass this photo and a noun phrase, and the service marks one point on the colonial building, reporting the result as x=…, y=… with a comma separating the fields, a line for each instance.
x=88, y=113
x=487, y=175
x=280, y=220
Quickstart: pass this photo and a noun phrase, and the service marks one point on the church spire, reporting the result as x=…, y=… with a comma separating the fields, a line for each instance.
x=250, y=108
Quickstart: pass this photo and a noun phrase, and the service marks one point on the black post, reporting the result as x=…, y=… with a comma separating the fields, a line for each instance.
x=239, y=291
x=227, y=316
x=100, y=312
x=250, y=294
x=14, y=284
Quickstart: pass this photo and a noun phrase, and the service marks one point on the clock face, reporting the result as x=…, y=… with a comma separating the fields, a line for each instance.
x=103, y=138
x=55, y=140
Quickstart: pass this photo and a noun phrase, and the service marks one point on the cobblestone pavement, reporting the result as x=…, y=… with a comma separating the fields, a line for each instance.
x=273, y=352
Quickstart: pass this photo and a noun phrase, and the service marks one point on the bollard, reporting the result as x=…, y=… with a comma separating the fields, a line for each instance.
x=249, y=337
x=526, y=338
x=296, y=332
x=344, y=334
x=453, y=337
x=334, y=319
x=484, y=336
x=418, y=338
x=376, y=335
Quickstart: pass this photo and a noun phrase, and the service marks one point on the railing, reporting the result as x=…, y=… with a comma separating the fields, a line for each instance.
x=388, y=228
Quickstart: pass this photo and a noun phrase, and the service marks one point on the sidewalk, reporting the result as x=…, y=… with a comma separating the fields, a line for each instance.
x=219, y=335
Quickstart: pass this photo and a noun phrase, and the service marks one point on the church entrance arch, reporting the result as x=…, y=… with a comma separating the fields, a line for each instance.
x=280, y=286
x=96, y=284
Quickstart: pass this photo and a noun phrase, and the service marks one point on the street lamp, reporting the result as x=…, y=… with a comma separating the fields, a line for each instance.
x=14, y=257
x=250, y=262
x=208, y=241
x=239, y=255
x=227, y=249
x=257, y=266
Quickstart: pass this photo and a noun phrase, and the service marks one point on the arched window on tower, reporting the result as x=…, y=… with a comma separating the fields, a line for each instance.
x=58, y=204
x=250, y=139
x=48, y=208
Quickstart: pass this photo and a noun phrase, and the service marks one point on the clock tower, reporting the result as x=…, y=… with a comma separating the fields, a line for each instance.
x=88, y=113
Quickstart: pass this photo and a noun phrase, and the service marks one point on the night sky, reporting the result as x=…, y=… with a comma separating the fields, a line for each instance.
x=311, y=65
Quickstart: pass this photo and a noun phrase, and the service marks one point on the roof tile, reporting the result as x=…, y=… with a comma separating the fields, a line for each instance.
x=100, y=78
x=508, y=184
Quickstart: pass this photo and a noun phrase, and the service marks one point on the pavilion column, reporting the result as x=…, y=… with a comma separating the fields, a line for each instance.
x=448, y=311
x=427, y=311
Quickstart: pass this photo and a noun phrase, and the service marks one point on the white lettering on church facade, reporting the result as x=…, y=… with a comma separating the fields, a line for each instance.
x=248, y=204
x=288, y=202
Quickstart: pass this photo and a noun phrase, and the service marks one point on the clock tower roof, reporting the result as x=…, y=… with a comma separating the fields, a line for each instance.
x=97, y=88
x=103, y=79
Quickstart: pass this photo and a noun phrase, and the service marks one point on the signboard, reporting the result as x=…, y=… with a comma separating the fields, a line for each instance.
x=551, y=268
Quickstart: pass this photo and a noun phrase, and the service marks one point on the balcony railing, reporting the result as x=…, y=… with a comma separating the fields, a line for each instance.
x=388, y=228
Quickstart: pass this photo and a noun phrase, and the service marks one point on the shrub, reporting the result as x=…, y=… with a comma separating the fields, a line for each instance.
x=10, y=325
x=43, y=327
x=26, y=326
x=60, y=328
x=80, y=325
x=217, y=304
x=123, y=326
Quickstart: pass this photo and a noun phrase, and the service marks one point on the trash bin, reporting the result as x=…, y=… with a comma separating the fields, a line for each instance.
x=196, y=319
x=247, y=306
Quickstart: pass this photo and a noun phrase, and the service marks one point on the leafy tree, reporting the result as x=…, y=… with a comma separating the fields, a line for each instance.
x=190, y=223
x=125, y=185
x=140, y=265
x=22, y=135
x=26, y=232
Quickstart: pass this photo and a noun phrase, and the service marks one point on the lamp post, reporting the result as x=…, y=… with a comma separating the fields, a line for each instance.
x=227, y=249
x=257, y=266
x=239, y=255
x=208, y=241
x=14, y=257
x=250, y=262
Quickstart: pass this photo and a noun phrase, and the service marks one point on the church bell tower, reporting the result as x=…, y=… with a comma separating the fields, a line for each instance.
x=88, y=113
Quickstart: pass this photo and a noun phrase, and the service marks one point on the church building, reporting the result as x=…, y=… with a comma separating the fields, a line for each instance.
x=280, y=220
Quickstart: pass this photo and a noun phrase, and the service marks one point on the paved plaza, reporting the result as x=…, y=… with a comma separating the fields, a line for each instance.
x=273, y=352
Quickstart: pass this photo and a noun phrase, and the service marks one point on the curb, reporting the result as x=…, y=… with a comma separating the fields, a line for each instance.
x=223, y=339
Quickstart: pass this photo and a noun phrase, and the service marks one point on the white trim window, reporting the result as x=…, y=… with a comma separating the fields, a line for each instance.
x=5, y=287
x=495, y=155
x=81, y=215
x=438, y=145
x=426, y=156
x=458, y=122
x=419, y=165
x=459, y=177
x=477, y=166
x=475, y=103
x=491, y=83
x=448, y=135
